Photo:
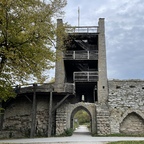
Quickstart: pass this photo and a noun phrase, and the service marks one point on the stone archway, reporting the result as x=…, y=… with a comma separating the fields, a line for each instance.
x=75, y=111
x=133, y=123
x=66, y=112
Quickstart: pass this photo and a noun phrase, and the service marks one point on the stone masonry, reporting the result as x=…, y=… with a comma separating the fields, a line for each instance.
x=126, y=106
x=103, y=120
x=17, y=118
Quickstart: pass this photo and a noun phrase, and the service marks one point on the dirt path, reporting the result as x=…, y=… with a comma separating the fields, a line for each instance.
x=80, y=136
x=82, y=131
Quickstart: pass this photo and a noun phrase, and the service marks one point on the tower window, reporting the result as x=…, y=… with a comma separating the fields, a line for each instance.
x=83, y=98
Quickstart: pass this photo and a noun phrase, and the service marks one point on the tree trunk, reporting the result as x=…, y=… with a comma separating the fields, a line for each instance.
x=2, y=63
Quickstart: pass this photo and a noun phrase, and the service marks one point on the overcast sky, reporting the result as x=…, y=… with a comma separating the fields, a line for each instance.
x=124, y=25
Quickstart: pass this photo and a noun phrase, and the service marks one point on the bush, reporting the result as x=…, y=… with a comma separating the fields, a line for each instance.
x=68, y=132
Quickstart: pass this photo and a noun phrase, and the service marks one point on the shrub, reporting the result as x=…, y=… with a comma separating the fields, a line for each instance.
x=68, y=132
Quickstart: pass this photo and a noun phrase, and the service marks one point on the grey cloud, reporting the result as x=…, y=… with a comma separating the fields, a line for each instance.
x=124, y=21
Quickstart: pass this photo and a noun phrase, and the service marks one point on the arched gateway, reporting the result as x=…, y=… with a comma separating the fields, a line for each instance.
x=67, y=111
x=75, y=111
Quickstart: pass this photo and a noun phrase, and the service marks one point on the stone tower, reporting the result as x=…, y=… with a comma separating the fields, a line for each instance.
x=81, y=68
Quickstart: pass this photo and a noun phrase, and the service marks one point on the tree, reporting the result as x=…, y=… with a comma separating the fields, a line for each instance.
x=82, y=116
x=27, y=34
x=52, y=80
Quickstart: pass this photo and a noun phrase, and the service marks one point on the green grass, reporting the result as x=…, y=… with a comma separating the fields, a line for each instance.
x=127, y=142
x=126, y=135
x=118, y=135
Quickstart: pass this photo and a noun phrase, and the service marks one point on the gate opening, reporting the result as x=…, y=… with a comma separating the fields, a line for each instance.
x=81, y=121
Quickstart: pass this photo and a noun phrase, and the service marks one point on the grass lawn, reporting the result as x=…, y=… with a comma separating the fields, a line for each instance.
x=127, y=142
x=117, y=135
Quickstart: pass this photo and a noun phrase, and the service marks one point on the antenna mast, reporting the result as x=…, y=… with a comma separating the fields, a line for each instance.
x=78, y=16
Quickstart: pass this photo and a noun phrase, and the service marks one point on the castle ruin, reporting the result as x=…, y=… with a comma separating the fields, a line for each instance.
x=114, y=106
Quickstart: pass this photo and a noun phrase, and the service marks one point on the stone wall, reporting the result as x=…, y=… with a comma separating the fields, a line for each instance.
x=103, y=120
x=61, y=119
x=17, y=118
x=42, y=116
x=123, y=114
x=125, y=99
x=132, y=124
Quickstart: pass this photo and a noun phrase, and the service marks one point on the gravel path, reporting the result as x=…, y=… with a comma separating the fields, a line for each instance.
x=80, y=136
x=82, y=131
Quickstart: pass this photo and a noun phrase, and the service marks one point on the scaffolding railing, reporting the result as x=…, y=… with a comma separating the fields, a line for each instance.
x=85, y=76
x=82, y=29
x=81, y=55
